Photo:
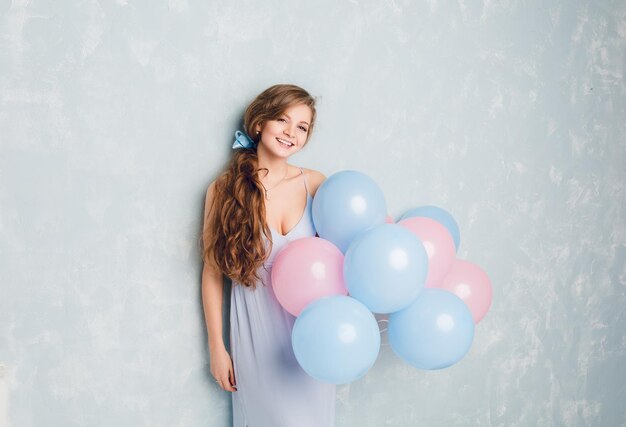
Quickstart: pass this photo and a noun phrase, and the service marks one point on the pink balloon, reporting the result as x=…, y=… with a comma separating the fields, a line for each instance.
x=439, y=246
x=470, y=283
x=389, y=220
x=305, y=270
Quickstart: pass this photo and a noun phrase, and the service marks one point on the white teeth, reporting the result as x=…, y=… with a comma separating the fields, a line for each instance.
x=288, y=144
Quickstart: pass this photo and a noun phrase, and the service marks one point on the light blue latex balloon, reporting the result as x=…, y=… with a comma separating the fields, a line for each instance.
x=434, y=332
x=440, y=215
x=346, y=204
x=385, y=268
x=336, y=339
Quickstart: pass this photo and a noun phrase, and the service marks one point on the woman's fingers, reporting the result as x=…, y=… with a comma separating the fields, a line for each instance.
x=223, y=372
x=230, y=382
x=226, y=385
x=231, y=374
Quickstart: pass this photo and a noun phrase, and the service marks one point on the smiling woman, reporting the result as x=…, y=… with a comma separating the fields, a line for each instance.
x=290, y=129
x=253, y=210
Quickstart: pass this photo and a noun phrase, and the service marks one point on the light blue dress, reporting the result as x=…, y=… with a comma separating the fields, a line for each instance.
x=272, y=388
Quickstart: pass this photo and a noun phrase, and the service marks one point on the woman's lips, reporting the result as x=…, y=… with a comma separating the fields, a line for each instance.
x=285, y=143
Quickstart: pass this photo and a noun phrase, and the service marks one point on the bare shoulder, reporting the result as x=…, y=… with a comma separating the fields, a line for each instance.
x=208, y=199
x=314, y=178
x=209, y=192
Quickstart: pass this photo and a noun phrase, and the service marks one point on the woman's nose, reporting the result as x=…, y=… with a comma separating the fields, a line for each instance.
x=288, y=131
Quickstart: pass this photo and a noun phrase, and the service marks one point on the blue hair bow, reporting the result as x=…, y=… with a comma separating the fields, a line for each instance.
x=242, y=140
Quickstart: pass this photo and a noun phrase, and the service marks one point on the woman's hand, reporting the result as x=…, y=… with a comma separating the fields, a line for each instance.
x=222, y=369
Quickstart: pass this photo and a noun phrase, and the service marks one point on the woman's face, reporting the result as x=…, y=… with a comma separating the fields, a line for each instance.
x=287, y=133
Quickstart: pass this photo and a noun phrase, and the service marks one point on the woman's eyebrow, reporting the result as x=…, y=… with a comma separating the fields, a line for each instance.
x=302, y=121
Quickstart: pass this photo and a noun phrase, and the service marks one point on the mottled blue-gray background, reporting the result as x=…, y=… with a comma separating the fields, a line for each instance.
x=115, y=116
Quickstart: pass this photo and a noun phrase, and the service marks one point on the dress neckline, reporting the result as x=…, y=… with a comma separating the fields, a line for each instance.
x=306, y=207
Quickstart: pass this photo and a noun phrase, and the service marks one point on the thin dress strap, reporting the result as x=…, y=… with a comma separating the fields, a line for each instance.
x=304, y=177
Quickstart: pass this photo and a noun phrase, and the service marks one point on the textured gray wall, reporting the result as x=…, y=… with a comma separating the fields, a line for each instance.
x=115, y=115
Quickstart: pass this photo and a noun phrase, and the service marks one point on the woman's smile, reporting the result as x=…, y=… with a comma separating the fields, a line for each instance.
x=285, y=143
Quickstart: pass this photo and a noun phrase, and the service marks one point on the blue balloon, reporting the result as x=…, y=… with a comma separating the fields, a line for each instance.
x=440, y=215
x=434, y=332
x=346, y=204
x=385, y=268
x=336, y=339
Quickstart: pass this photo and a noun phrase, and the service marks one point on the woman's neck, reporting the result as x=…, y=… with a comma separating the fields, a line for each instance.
x=277, y=166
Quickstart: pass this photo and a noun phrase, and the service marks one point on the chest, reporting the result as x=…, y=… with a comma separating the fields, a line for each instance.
x=286, y=206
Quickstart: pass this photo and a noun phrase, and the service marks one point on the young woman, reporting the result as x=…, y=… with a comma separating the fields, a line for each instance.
x=254, y=209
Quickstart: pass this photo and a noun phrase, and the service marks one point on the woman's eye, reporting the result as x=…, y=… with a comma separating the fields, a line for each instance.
x=303, y=128
x=281, y=119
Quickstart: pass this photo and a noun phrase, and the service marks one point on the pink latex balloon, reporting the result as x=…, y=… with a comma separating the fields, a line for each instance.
x=470, y=283
x=438, y=243
x=389, y=220
x=305, y=270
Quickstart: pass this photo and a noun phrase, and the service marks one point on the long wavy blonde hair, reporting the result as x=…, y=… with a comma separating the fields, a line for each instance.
x=233, y=239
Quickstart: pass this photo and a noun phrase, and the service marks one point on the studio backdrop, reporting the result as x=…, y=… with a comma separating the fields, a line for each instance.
x=115, y=115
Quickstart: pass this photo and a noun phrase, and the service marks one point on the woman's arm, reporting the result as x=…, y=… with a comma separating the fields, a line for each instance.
x=315, y=180
x=212, y=293
x=212, y=285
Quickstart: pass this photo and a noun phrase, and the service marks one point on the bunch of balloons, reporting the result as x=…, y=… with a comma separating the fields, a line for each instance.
x=363, y=263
